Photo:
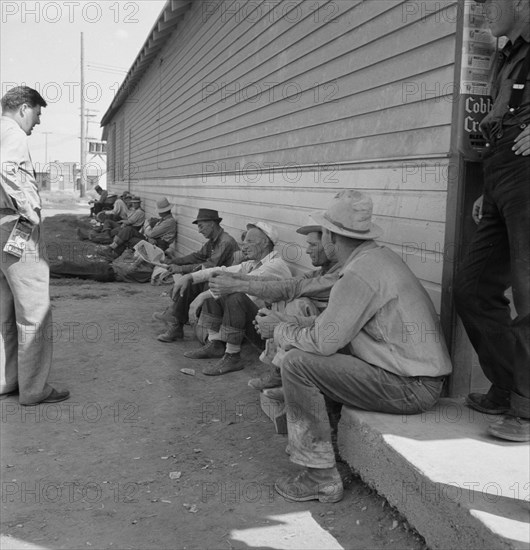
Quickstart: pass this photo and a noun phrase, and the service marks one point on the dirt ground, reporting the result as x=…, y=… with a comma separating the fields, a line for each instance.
x=144, y=456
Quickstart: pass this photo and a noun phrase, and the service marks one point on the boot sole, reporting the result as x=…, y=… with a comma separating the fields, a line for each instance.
x=329, y=499
x=479, y=408
x=510, y=437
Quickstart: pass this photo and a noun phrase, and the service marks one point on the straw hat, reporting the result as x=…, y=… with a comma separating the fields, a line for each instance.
x=269, y=230
x=350, y=215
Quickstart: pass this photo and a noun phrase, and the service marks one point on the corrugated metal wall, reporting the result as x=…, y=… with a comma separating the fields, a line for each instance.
x=263, y=110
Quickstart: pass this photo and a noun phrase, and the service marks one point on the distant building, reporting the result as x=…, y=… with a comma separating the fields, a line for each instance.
x=62, y=176
x=43, y=180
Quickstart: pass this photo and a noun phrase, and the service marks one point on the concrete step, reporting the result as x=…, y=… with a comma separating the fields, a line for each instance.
x=459, y=487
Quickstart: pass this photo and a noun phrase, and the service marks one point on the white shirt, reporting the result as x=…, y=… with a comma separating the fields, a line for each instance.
x=271, y=265
x=17, y=175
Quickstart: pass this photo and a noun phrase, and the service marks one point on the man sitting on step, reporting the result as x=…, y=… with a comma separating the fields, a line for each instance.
x=377, y=347
x=229, y=318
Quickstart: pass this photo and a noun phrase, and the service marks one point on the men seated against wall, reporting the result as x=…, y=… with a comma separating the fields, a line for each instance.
x=101, y=202
x=120, y=209
x=124, y=230
x=377, y=346
x=217, y=251
x=293, y=299
x=228, y=318
x=160, y=231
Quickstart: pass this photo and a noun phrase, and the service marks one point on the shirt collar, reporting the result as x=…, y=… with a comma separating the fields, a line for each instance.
x=7, y=121
x=214, y=241
x=365, y=246
x=511, y=47
x=265, y=259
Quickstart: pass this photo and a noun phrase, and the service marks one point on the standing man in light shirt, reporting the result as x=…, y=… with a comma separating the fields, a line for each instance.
x=25, y=312
x=228, y=318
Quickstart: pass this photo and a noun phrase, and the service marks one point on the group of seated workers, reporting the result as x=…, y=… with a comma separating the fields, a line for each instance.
x=127, y=232
x=102, y=203
x=359, y=331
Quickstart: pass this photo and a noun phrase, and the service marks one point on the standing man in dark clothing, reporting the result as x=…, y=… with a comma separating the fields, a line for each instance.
x=500, y=252
x=26, y=348
x=217, y=251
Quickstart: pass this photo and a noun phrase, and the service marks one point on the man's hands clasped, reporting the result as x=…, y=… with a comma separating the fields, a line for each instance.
x=266, y=321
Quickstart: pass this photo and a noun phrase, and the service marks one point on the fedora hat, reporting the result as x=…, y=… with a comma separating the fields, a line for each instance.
x=163, y=206
x=306, y=229
x=268, y=229
x=207, y=215
x=126, y=195
x=350, y=215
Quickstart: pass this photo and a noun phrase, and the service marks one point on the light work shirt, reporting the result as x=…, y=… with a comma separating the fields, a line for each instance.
x=380, y=313
x=135, y=218
x=316, y=284
x=165, y=229
x=271, y=265
x=120, y=209
x=18, y=186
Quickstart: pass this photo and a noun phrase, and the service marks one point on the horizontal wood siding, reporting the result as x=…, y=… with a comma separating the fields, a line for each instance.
x=265, y=110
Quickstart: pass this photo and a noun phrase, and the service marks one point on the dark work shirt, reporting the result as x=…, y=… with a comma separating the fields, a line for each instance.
x=212, y=254
x=505, y=72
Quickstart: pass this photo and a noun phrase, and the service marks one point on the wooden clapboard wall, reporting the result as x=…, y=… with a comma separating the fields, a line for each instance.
x=264, y=110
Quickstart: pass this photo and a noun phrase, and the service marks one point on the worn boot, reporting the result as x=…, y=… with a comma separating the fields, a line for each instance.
x=210, y=350
x=271, y=379
x=324, y=485
x=174, y=332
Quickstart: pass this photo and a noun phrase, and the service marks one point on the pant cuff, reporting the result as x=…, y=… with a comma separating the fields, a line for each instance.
x=209, y=321
x=231, y=335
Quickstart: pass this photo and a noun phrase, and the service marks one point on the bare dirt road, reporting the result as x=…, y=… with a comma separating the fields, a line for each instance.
x=144, y=456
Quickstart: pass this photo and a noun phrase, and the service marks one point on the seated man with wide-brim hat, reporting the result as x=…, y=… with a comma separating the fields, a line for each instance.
x=377, y=346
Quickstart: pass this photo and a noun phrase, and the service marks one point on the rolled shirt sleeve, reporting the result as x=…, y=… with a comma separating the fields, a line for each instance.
x=352, y=304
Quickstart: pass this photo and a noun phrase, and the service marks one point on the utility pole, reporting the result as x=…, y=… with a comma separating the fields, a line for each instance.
x=46, y=147
x=82, y=183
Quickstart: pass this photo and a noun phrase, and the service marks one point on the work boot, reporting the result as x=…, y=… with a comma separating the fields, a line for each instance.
x=175, y=331
x=483, y=403
x=107, y=253
x=274, y=393
x=164, y=316
x=211, y=350
x=511, y=428
x=271, y=379
x=324, y=485
x=231, y=362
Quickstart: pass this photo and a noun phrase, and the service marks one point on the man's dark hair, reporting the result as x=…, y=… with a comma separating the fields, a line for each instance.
x=16, y=97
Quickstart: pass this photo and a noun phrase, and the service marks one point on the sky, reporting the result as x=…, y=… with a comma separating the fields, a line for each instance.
x=40, y=47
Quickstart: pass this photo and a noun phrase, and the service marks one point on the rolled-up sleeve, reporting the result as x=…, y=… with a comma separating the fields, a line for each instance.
x=290, y=289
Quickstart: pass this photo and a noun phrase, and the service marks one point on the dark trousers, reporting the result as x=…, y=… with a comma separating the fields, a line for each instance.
x=499, y=257
x=231, y=316
x=181, y=305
